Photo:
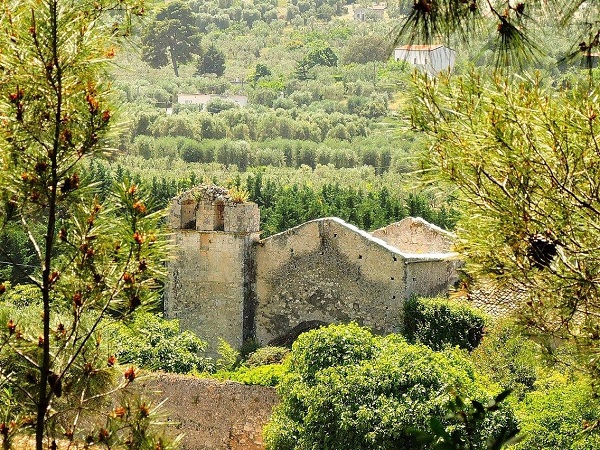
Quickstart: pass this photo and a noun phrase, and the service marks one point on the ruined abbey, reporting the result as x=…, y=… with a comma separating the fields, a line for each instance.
x=226, y=282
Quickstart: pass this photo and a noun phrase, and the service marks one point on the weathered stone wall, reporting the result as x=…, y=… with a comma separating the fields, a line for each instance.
x=210, y=288
x=327, y=270
x=431, y=275
x=207, y=284
x=213, y=415
x=415, y=235
x=224, y=283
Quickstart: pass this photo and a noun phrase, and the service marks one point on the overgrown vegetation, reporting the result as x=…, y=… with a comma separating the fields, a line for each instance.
x=346, y=388
x=440, y=323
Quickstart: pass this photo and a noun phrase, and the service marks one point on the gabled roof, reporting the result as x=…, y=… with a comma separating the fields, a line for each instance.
x=419, y=47
x=408, y=256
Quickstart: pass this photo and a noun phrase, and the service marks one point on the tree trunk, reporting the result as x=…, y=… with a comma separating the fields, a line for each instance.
x=174, y=62
x=47, y=276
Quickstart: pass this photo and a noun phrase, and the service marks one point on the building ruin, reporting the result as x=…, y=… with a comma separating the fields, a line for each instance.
x=225, y=282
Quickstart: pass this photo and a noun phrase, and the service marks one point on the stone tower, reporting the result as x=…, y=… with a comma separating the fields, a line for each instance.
x=212, y=272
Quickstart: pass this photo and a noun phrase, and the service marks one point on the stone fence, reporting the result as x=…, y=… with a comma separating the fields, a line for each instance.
x=213, y=415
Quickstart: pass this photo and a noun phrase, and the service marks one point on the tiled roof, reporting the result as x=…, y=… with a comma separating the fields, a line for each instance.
x=419, y=47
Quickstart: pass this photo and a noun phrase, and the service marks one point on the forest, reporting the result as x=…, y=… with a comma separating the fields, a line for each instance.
x=306, y=113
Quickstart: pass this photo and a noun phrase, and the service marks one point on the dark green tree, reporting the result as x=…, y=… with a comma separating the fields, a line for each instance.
x=172, y=36
x=260, y=71
x=318, y=56
x=364, y=49
x=212, y=60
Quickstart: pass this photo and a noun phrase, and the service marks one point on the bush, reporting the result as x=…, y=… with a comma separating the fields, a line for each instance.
x=508, y=358
x=346, y=389
x=154, y=343
x=333, y=346
x=439, y=323
x=559, y=416
x=267, y=355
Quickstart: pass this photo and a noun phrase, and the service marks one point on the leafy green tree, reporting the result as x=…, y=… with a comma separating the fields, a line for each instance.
x=561, y=414
x=345, y=388
x=212, y=60
x=260, y=71
x=364, y=49
x=172, y=36
x=151, y=342
x=92, y=259
x=525, y=164
x=250, y=15
x=318, y=56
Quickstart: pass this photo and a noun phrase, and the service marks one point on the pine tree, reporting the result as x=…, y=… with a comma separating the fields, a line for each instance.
x=93, y=259
x=211, y=61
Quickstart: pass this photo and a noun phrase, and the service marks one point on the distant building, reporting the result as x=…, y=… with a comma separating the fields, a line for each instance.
x=432, y=59
x=375, y=11
x=203, y=99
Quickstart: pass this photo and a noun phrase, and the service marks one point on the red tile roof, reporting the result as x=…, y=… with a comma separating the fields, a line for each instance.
x=419, y=47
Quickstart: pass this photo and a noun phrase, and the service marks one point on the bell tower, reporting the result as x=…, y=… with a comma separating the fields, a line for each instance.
x=212, y=273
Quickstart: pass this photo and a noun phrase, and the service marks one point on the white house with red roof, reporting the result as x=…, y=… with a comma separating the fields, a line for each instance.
x=432, y=59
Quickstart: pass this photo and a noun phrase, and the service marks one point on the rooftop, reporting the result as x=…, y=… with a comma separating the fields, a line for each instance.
x=419, y=47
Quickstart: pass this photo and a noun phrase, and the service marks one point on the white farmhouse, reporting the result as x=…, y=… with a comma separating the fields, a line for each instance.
x=432, y=59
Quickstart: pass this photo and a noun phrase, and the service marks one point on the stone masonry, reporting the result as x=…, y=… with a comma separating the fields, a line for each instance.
x=225, y=282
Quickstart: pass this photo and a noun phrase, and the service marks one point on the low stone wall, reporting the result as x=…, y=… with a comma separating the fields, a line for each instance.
x=214, y=415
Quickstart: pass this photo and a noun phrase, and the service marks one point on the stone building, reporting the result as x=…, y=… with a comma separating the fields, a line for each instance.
x=225, y=282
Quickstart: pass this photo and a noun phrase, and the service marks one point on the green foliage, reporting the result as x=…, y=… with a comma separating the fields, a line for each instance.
x=18, y=259
x=530, y=205
x=154, y=343
x=21, y=295
x=263, y=375
x=508, y=358
x=211, y=61
x=365, y=49
x=260, y=71
x=319, y=55
x=473, y=415
x=93, y=258
x=334, y=346
x=441, y=322
x=561, y=414
x=286, y=202
x=346, y=388
x=266, y=355
x=228, y=356
x=172, y=35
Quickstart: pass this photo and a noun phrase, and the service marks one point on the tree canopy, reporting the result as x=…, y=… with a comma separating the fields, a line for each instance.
x=91, y=259
x=172, y=36
x=523, y=157
x=211, y=61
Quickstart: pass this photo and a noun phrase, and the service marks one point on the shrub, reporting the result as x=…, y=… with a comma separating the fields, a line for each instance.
x=333, y=346
x=267, y=375
x=267, y=355
x=508, y=358
x=154, y=343
x=346, y=388
x=559, y=416
x=439, y=323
